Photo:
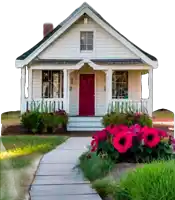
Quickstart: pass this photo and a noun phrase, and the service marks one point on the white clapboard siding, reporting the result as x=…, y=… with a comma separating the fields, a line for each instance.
x=100, y=93
x=74, y=92
x=36, y=84
x=134, y=84
x=68, y=44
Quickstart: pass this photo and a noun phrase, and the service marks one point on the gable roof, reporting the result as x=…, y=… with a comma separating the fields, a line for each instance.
x=84, y=8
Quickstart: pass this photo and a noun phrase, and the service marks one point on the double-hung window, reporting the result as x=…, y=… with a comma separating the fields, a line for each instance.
x=86, y=40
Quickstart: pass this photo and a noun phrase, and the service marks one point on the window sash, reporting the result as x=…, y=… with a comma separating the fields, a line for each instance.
x=52, y=84
x=86, y=40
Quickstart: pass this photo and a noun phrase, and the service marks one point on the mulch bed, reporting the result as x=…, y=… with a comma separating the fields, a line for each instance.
x=19, y=130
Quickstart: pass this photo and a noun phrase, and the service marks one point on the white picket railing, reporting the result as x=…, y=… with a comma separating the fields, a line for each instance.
x=123, y=105
x=44, y=105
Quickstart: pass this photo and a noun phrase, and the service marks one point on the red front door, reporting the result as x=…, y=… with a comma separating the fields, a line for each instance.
x=86, y=95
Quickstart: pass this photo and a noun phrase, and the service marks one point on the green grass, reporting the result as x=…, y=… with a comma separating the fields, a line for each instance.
x=163, y=114
x=10, y=118
x=152, y=181
x=19, y=157
x=95, y=167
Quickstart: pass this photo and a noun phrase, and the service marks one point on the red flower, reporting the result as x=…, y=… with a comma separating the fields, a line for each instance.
x=94, y=145
x=115, y=129
x=122, y=141
x=162, y=133
x=151, y=137
x=100, y=135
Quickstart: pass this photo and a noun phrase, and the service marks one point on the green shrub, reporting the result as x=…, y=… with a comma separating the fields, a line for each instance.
x=33, y=121
x=128, y=118
x=63, y=116
x=37, y=122
x=52, y=121
x=94, y=166
x=104, y=187
x=152, y=181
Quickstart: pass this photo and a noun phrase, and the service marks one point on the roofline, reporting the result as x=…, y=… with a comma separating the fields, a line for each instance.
x=85, y=8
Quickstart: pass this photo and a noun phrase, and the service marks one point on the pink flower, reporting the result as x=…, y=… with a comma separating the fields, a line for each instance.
x=136, y=128
x=114, y=129
x=100, y=135
x=162, y=133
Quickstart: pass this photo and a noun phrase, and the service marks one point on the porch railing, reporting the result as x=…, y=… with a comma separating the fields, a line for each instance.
x=124, y=105
x=44, y=105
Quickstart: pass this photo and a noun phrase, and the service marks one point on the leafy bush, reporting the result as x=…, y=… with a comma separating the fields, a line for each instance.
x=63, y=116
x=128, y=118
x=52, y=121
x=95, y=166
x=33, y=121
x=37, y=122
x=152, y=181
x=133, y=144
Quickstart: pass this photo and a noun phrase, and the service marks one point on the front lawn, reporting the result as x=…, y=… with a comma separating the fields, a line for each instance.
x=10, y=118
x=17, y=157
x=163, y=115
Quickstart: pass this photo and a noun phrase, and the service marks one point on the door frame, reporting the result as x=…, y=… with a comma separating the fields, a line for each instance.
x=78, y=99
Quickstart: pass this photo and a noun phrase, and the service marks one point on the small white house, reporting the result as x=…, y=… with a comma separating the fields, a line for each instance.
x=86, y=67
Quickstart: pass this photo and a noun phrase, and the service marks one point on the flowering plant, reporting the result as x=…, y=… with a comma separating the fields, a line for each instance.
x=134, y=143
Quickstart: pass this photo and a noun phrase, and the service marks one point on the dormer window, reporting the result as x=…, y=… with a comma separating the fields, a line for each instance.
x=86, y=41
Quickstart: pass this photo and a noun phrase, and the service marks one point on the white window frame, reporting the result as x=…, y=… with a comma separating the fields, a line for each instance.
x=93, y=42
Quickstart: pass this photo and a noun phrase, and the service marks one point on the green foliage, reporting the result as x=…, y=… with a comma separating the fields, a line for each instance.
x=152, y=181
x=33, y=121
x=127, y=118
x=95, y=166
x=37, y=122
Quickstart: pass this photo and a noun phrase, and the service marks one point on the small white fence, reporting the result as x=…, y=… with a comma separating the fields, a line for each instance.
x=44, y=105
x=124, y=105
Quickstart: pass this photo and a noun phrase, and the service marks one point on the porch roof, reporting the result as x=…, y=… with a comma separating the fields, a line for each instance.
x=97, y=61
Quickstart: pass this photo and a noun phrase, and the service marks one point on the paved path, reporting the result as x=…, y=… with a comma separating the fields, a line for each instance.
x=58, y=179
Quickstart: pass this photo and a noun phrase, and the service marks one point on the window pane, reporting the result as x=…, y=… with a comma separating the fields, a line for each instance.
x=83, y=47
x=89, y=42
x=90, y=35
x=89, y=47
x=55, y=85
x=45, y=90
x=45, y=76
x=119, y=85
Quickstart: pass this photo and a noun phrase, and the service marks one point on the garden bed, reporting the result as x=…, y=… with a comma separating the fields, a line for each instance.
x=129, y=145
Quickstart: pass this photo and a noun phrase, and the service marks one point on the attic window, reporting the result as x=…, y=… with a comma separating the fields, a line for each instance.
x=86, y=41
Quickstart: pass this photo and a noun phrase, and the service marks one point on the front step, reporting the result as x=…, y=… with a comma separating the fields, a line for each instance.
x=84, y=124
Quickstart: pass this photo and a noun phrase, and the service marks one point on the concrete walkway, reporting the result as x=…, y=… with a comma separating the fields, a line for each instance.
x=57, y=176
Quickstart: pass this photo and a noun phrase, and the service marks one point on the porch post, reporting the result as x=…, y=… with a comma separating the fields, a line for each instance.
x=65, y=86
x=30, y=84
x=23, y=77
x=108, y=88
x=68, y=94
x=150, y=85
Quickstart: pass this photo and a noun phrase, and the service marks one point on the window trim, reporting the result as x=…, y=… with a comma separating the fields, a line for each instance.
x=94, y=39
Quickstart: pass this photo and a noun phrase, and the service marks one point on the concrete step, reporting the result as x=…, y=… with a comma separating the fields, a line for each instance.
x=85, y=119
x=84, y=128
x=84, y=124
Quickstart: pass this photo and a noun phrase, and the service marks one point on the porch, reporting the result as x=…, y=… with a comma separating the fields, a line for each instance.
x=85, y=89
